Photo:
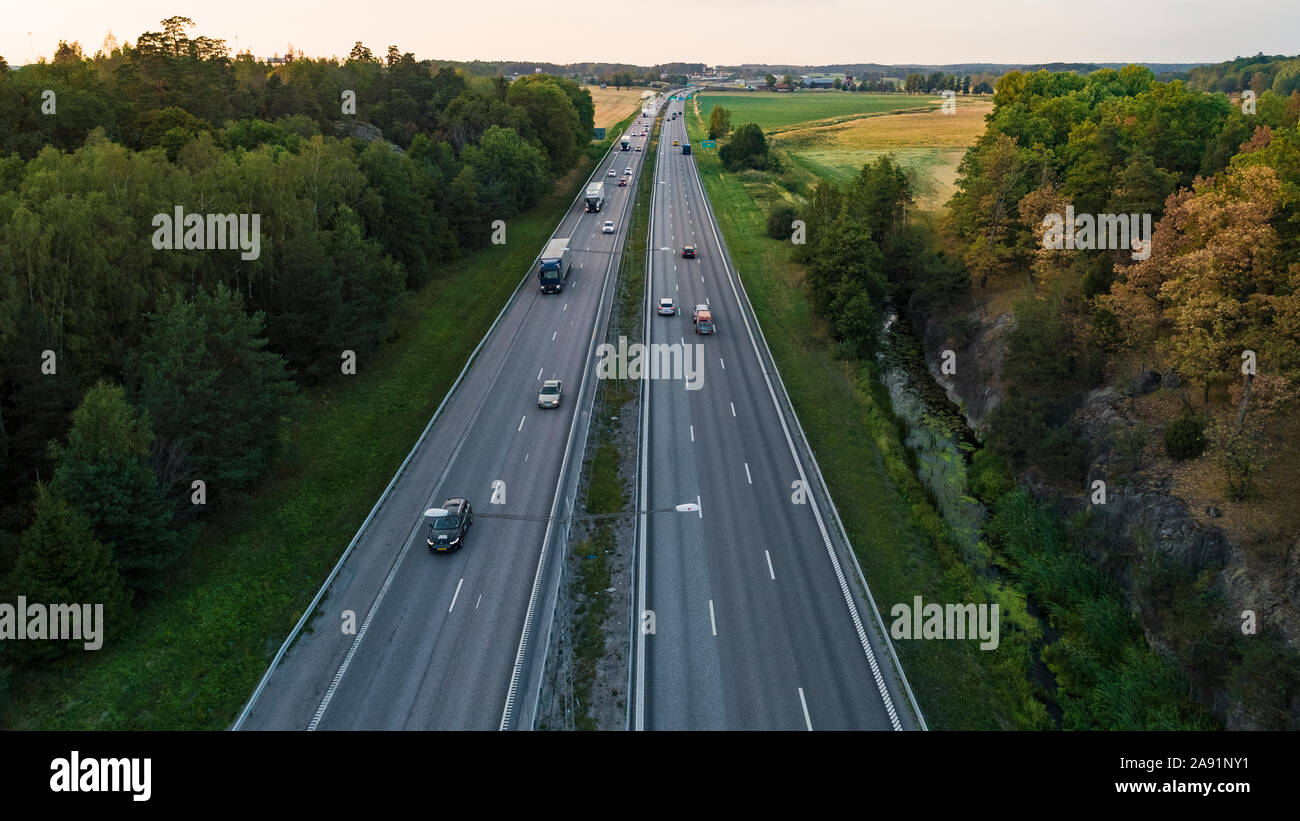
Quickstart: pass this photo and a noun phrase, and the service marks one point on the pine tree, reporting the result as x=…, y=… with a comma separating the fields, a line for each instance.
x=103, y=471
x=61, y=562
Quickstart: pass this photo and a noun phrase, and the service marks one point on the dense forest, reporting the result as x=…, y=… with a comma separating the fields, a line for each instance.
x=176, y=366
x=1219, y=286
x=1281, y=75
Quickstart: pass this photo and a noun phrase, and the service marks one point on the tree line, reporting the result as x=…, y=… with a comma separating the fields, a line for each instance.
x=1220, y=181
x=128, y=371
x=1217, y=180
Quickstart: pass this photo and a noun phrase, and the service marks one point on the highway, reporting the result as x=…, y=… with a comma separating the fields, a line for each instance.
x=440, y=638
x=757, y=606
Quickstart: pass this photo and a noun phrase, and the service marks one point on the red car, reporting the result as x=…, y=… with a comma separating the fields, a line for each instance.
x=622, y=180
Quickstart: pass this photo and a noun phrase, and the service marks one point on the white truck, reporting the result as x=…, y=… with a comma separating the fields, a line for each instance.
x=595, y=196
x=553, y=269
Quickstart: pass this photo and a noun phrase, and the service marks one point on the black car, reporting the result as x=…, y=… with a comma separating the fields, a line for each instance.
x=447, y=532
x=688, y=252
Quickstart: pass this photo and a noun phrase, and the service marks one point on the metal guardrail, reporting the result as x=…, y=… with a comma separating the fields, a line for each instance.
x=383, y=497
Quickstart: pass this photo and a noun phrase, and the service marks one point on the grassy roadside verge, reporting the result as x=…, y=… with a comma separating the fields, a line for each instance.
x=614, y=420
x=191, y=657
x=898, y=537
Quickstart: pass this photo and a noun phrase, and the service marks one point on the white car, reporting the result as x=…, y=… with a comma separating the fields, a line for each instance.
x=666, y=307
x=638, y=148
x=549, y=397
x=628, y=170
x=608, y=227
x=610, y=173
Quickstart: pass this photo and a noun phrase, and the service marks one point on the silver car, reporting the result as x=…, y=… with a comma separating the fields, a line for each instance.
x=550, y=395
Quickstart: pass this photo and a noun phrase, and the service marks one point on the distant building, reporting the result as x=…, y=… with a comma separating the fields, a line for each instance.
x=819, y=82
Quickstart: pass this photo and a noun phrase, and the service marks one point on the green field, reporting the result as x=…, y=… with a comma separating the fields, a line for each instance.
x=841, y=132
x=773, y=111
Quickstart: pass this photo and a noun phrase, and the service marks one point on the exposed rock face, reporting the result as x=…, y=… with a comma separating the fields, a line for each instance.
x=976, y=387
x=1143, y=383
x=366, y=132
x=1139, y=515
x=361, y=131
x=1267, y=581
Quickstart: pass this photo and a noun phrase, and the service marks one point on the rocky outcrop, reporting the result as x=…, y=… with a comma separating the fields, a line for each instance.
x=1141, y=514
x=366, y=132
x=979, y=343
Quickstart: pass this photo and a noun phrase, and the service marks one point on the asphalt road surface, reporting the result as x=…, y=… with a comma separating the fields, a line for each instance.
x=757, y=607
x=439, y=635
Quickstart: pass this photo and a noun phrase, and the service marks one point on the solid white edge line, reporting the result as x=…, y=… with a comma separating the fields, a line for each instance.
x=636, y=705
x=806, y=720
x=383, y=497
x=812, y=498
x=512, y=691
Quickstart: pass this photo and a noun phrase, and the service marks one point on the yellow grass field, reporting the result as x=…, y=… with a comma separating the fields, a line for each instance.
x=929, y=145
x=613, y=105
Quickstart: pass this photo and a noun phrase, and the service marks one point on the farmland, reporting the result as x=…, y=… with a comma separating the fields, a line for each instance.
x=775, y=111
x=613, y=104
x=833, y=135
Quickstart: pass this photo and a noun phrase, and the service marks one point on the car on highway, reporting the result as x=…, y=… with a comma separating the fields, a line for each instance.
x=674, y=142
x=611, y=173
x=638, y=148
x=628, y=170
x=704, y=320
x=622, y=181
x=549, y=397
x=666, y=307
x=448, y=527
x=688, y=252
x=608, y=227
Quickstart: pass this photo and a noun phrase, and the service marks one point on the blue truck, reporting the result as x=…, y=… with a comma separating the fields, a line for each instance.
x=553, y=269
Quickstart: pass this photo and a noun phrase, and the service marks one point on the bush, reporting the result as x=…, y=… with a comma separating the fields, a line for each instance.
x=778, y=222
x=989, y=476
x=1185, y=438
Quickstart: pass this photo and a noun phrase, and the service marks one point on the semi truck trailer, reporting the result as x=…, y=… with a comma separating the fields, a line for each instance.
x=553, y=269
x=595, y=196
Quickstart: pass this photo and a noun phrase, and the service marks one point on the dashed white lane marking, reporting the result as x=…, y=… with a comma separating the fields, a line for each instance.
x=456, y=595
x=747, y=476
x=692, y=433
x=712, y=622
x=565, y=308
x=724, y=363
x=539, y=372
x=480, y=600
x=770, y=571
x=733, y=408
x=521, y=425
x=700, y=506
x=806, y=720
x=557, y=333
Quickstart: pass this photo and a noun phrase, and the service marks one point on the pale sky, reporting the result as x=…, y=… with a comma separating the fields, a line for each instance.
x=806, y=32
